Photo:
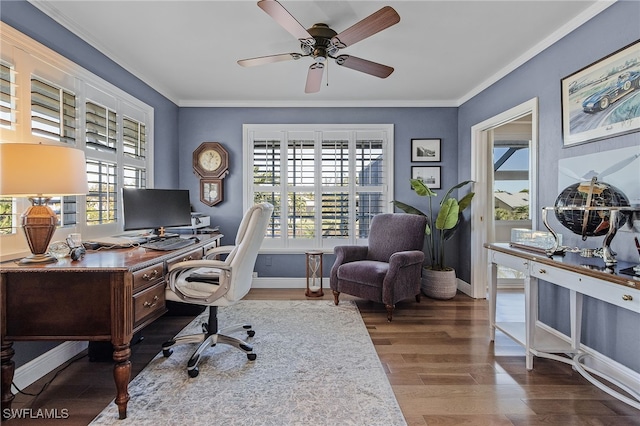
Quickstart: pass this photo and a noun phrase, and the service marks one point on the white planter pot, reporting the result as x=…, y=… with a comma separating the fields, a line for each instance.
x=439, y=284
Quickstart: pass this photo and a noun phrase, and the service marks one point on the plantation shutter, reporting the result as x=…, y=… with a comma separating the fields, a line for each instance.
x=101, y=133
x=7, y=97
x=53, y=112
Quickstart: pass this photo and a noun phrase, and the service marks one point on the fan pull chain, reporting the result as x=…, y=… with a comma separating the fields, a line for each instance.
x=327, y=62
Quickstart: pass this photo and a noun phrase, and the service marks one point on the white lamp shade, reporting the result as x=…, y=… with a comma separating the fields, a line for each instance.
x=37, y=170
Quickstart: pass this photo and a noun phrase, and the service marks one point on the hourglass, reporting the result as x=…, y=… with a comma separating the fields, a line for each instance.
x=314, y=274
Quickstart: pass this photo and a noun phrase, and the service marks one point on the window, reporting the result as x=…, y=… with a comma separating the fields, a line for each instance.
x=115, y=159
x=46, y=98
x=8, y=215
x=334, y=180
x=102, y=197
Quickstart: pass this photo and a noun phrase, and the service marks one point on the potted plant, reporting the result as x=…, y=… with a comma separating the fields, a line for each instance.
x=439, y=280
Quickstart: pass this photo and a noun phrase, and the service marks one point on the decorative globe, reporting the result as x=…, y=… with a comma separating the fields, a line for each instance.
x=602, y=195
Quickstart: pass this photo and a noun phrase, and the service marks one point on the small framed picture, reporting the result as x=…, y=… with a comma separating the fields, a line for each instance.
x=425, y=149
x=430, y=176
x=211, y=191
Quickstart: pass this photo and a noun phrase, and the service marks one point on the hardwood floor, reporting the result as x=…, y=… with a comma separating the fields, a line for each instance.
x=437, y=355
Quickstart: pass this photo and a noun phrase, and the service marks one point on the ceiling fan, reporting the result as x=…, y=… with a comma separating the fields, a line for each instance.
x=321, y=42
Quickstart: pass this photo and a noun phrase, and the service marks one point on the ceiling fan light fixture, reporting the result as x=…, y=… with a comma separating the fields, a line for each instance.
x=320, y=53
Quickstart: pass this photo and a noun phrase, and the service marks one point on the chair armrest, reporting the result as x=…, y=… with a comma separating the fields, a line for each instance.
x=209, y=286
x=346, y=254
x=216, y=251
x=402, y=259
x=200, y=263
x=403, y=277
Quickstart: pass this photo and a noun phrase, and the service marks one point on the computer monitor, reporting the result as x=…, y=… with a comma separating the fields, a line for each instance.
x=155, y=209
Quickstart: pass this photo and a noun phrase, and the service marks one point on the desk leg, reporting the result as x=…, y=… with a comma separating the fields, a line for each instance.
x=8, y=368
x=122, y=376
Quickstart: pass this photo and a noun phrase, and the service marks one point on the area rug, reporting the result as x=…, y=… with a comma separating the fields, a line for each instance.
x=316, y=365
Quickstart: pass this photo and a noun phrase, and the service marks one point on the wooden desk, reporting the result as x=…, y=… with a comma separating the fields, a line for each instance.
x=106, y=296
x=581, y=276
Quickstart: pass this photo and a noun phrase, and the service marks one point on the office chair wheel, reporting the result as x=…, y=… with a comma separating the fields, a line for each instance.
x=167, y=352
x=194, y=372
x=251, y=357
x=251, y=333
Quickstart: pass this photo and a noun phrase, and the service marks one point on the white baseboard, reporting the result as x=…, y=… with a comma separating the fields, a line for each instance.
x=47, y=362
x=464, y=287
x=279, y=282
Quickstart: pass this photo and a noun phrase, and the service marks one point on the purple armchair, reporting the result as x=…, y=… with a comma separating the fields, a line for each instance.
x=389, y=268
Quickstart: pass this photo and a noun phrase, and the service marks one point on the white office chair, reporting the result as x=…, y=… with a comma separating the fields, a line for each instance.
x=214, y=283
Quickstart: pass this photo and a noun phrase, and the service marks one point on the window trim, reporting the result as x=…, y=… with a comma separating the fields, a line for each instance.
x=387, y=130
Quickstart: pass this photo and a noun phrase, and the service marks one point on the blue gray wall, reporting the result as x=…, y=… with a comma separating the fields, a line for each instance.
x=178, y=131
x=611, y=331
x=224, y=125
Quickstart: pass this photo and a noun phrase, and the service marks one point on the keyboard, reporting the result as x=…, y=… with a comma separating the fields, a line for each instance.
x=168, y=244
x=117, y=242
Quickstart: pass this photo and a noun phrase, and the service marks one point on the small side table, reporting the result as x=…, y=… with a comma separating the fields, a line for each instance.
x=314, y=274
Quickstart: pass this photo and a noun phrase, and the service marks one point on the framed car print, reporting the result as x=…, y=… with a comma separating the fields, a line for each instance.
x=211, y=191
x=430, y=176
x=603, y=99
x=425, y=149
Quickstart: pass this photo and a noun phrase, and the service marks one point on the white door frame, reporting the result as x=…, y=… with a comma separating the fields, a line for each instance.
x=482, y=175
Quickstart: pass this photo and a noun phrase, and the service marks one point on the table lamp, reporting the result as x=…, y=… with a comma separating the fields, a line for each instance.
x=39, y=172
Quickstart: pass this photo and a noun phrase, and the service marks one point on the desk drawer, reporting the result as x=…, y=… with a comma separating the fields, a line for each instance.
x=616, y=294
x=195, y=254
x=148, y=276
x=509, y=261
x=148, y=302
x=211, y=245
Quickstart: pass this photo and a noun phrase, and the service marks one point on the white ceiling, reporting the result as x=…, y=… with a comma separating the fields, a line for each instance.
x=443, y=52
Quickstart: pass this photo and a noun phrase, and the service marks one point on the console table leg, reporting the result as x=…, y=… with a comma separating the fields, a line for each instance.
x=8, y=368
x=122, y=376
x=531, y=317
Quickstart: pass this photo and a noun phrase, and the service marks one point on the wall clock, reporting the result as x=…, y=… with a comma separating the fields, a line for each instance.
x=211, y=160
x=211, y=191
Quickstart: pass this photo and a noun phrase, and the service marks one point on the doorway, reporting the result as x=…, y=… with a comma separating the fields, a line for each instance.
x=496, y=142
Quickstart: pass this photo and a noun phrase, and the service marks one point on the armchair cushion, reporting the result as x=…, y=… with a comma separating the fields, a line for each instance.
x=366, y=272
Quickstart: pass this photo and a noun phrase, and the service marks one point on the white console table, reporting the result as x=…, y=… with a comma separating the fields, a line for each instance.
x=581, y=277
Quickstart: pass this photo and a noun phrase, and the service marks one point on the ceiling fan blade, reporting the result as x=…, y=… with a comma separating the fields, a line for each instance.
x=314, y=78
x=364, y=66
x=372, y=24
x=286, y=20
x=262, y=60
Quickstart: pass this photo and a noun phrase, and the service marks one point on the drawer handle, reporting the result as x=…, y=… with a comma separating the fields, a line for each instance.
x=151, y=304
x=149, y=277
x=627, y=297
x=543, y=271
x=184, y=259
